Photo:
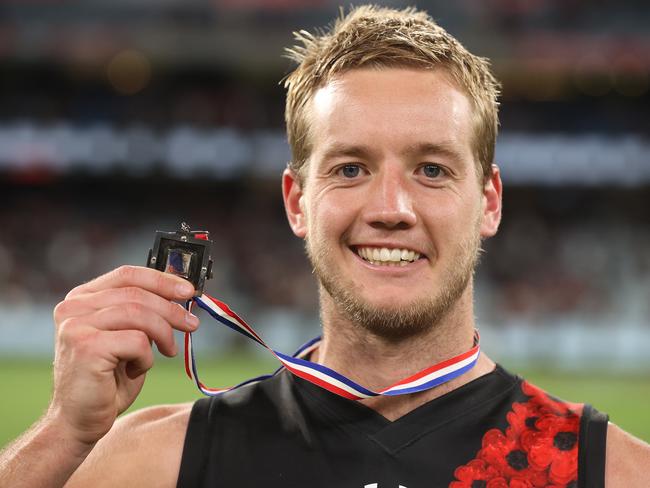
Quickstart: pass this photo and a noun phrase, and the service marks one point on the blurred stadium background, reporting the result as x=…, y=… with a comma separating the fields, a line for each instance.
x=121, y=117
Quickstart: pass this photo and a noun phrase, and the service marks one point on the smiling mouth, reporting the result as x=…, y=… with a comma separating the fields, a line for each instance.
x=384, y=256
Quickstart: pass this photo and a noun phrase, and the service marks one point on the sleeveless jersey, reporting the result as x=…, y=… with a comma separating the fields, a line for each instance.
x=497, y=431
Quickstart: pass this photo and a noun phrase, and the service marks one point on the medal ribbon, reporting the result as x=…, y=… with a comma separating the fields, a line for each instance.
x=317, y=373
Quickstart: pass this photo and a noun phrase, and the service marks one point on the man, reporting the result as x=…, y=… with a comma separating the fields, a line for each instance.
x=392, y=186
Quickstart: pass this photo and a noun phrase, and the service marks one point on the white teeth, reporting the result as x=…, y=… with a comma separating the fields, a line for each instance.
x=390, y=257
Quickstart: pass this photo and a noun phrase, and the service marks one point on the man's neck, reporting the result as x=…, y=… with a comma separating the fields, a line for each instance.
x=376, y=362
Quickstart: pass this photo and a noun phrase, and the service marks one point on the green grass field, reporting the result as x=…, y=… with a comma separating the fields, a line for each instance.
x=26, y=386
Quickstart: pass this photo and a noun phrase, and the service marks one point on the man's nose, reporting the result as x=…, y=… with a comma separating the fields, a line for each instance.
x=389, y=202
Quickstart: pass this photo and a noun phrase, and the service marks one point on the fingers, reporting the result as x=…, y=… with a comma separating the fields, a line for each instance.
x=105, y=349
x=163, y=284
x=131, y=297
x=131, y=346
x=132, y=316
x=87, y=303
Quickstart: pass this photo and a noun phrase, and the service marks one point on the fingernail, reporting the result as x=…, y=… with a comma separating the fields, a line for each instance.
x=192, y=320
x=185, y=289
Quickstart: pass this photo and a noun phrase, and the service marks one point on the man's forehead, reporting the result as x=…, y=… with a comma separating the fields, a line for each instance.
x=422, y=110
x=389, y=88
x=358, y=80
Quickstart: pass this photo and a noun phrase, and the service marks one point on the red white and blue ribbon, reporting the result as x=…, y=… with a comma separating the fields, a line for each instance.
x=317, y=373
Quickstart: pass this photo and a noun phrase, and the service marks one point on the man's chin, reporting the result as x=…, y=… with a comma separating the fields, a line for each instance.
x=394, y=320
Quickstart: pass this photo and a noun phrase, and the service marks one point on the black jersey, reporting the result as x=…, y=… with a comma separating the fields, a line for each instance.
x=497, y=431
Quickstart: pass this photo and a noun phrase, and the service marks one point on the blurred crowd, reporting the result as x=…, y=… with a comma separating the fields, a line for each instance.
x=569, y=254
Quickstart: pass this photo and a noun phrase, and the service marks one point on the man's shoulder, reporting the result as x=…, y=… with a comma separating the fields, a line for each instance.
x=628, y=459
x=144, y=448
x=155, y=418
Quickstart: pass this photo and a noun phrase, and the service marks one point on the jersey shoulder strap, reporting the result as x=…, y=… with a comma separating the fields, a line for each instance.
x=593, y=443
x=197, y=440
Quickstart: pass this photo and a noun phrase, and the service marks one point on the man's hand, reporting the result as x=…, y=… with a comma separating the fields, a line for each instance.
x=104, y=331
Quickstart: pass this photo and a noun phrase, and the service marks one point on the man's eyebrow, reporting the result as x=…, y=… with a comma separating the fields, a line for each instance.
x=339, y=150
x=442, y=149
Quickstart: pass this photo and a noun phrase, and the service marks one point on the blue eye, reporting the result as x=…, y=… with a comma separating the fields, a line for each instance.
x=431, y=170
x=350, y=170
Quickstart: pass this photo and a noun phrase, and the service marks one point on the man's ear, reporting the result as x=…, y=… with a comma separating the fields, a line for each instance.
x=492, y=193
x=293, y=203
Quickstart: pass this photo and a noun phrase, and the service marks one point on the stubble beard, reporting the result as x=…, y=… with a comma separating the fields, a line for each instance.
x=401, y=322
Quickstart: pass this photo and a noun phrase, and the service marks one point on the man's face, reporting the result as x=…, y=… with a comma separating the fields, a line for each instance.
x=391, y=206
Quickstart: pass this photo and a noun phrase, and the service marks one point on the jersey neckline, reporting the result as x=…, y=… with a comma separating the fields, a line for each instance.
x=393, y=436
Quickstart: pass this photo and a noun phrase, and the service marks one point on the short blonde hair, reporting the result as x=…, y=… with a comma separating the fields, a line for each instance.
x=371, y=36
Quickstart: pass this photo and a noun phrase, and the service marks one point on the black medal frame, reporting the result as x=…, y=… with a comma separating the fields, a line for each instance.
x=185, y=253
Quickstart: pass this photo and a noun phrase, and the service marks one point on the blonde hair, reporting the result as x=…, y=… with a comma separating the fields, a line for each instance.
x=378, y=37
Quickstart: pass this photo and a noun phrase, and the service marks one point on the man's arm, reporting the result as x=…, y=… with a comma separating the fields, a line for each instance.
x=143, y=449
x=44, y=456
x=628, y=460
